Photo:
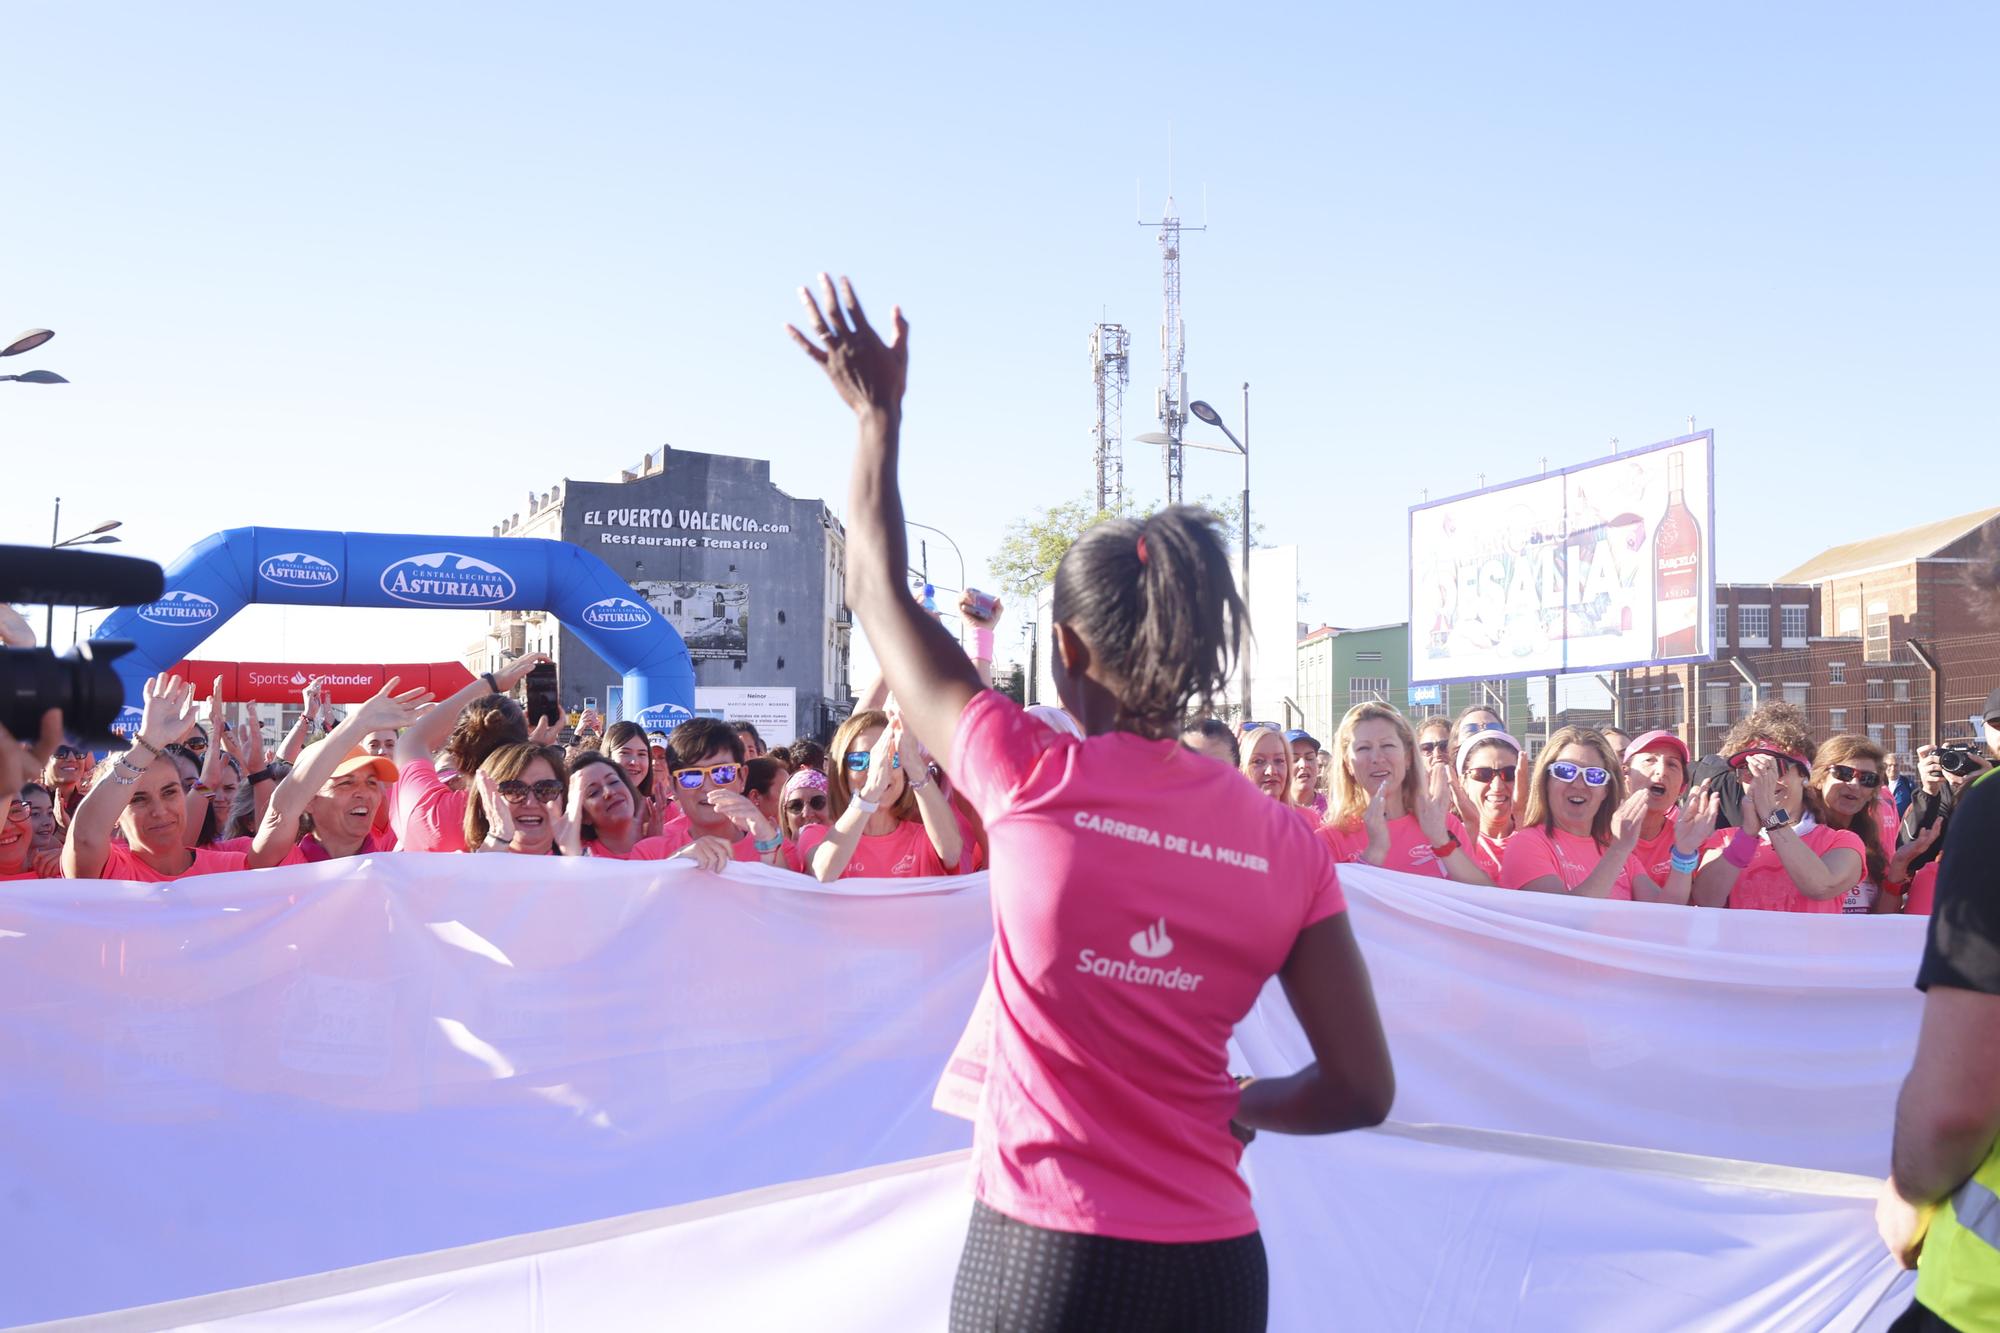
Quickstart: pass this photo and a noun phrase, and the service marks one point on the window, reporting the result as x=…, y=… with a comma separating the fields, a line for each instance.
x=1718, y=704
x=1875, y=692
x=1850, y=621
x=1836, y=673
x=1792, y=625
x=1903, y=741
x=1875, y=732
x=1837, y=719
x=1795, y=693
x=1753, y=626
x=1876, y=647
x=1746, y=699
x=1721, y=625
x=1367, y=689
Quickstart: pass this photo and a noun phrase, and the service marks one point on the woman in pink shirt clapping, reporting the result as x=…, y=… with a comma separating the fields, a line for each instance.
x=1142, y=896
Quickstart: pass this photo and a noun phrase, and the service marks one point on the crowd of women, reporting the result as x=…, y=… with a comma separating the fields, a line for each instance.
x=1783, y=823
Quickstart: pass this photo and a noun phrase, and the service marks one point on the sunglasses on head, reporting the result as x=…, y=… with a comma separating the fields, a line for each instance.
x=1433, y=747
x=1842, y=773
x=1562, y=770
x=1474, y=728
x=859, y=761
x=1742, y=760
x=1486, y=774
x=815, y=803
x=721, y=775
x=514, y=791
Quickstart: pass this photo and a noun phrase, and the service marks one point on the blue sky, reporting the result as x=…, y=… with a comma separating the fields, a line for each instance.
x=393, y=266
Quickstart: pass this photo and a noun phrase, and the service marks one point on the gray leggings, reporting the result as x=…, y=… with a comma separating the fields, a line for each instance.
x=1015, y=1278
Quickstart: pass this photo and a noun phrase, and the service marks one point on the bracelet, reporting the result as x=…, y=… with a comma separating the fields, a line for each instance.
x=864, y=804
x=141, y=740
x=125, y=761
x=982, y=643
x=492, y=681
x=919, y=786
x=1443, y=850
x=765, y=847
x=1742, y=849
x=1684, y=863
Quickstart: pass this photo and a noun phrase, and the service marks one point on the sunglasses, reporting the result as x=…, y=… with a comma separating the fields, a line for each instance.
x=815, y=803
x=859, y=761
x=1474, y=728
x=69, y=752
x=1433, y=747
x=1742, y=760
x=195, y=745
x=1485, y=774
x=17, y=810
x=514, y=791
x=1562, y=770
x=721, y=775
x=1842, y=773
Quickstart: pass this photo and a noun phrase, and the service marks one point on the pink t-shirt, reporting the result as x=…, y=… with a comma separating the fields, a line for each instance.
x=429, y=816
x=1656, y=853
x=1485, y=852
x=1409, y=850
x=1570, y=857
x=1142, y=895
x=904, y=854
x=1923, y=891
x=1766, y=886
x=119, y=863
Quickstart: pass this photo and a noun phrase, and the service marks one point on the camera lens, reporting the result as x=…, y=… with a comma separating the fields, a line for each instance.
x=80, y=682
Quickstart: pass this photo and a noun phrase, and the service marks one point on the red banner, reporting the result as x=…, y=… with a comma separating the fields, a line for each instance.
x=347, y=683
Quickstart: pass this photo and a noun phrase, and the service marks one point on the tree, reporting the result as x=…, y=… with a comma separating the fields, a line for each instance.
x=1033, y=547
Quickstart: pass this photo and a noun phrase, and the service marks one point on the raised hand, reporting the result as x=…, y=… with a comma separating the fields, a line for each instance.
x=1760, y=793
x=499, y=813
x=253, y=746
x=215, y=722
x=569, y=829
x=738, y=809
x=1433, y=804
x=15, y=631
x=313, y=698
x=167, y=714
x=971, y=613
x=1695, y=824
x=517, y=670
x=1899, y=864
x=388, y=708
x=880, y=774
x=711, y=854
x=1376, y=820
x=1629, y=819
x=867, y=373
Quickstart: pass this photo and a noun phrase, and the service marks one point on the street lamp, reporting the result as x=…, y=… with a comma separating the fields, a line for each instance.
x=1205, y=413
x=95, y=537
x=949, y=542
x=28, y=342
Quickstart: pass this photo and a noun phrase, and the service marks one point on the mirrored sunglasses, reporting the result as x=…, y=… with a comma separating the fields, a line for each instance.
x=859, y=761
x=1843, y=773
x=514, y=791
x=721, y=775
x=1474, y=728
x=816, y=803
x=1485, y=774
x=1562, y=770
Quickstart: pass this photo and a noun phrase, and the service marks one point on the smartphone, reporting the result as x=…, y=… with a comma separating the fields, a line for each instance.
x=590, y=703
x=544, y=695
x=982, y=603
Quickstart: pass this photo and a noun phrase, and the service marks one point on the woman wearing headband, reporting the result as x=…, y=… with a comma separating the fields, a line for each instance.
x=1487, y=769
x=1785, y=858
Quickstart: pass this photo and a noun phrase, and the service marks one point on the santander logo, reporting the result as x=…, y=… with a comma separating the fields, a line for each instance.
x=1153, y=941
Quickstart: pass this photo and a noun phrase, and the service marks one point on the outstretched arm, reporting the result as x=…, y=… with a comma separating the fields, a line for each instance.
x=424, y=737
x=922, y=664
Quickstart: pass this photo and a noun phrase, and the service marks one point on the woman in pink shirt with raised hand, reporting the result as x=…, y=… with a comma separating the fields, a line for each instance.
x=429, y=807
x=890, y=819
x=1784, y=858
x=1142, y=896
x=1579, y=828
x=1388, y=810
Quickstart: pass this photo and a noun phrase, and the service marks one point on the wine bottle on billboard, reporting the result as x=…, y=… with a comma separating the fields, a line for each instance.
x=1677, y=571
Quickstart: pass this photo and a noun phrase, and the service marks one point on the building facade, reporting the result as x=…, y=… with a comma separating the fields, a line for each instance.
x=1339, y=668
x=752, y=578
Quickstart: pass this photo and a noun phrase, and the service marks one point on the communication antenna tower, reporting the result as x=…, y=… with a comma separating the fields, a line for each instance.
x=1173, y=399
x=1111, y=369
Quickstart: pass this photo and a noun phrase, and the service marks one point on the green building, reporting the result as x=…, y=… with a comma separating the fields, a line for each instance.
x=1339, y=668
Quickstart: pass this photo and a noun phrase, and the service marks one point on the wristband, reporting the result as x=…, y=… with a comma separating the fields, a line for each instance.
x=157, y=752
x=1684, y=863
x=1446, y=848
x=1741, y=849
x=764, y=847
x=264, y=774
x=492, y=682
x=863, y=803
x=115, y=780
x=982, y=643
x=919, y=786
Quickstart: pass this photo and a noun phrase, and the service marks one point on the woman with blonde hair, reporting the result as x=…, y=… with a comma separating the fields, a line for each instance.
x=890, y=818
x=1578, y=828
x=1785, y=858
x=1383, y=810
x=1847, y=777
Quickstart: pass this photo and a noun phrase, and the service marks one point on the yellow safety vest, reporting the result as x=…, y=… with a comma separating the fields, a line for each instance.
x=1958, y=1275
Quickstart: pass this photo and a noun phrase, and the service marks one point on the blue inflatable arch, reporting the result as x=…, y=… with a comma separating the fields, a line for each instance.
x=219, y=576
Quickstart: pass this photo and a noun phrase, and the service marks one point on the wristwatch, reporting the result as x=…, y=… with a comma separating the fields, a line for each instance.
x=1777, y=819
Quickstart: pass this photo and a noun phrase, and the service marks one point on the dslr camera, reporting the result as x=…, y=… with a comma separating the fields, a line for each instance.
x=1960, y=758
x=81, y=682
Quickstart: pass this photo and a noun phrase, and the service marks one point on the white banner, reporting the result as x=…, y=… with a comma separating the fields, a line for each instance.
x=610, y=1095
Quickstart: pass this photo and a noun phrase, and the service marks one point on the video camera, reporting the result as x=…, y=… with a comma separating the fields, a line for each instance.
x=1960, y=758
x=81, y=682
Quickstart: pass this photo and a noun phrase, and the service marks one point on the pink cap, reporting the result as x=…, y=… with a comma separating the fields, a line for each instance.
x=1641, y=744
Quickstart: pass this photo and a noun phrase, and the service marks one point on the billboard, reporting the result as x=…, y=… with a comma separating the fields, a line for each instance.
x=1607, y=564
x=773, y=711
x=713, y=618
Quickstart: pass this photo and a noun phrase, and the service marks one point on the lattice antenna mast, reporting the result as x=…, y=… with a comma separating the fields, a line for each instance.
x=1173, y=397
x=1111, y=370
